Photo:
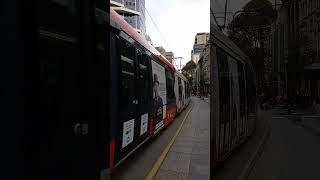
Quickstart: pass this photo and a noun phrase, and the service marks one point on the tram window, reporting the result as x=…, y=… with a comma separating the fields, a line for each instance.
x=241, y=87
x=250, y=89
x=170, y=87
x=180, y=88
x=127, y=59
x=186, y=89
x=224, y=86
x=144, y=77
x=241, y=83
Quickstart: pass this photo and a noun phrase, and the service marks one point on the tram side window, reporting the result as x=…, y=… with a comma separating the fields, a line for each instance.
x=127, y=71
x=250, y=89
x=170, y=87
x=180, y=88
x=224, y=86
x=241, y=86
x=144, y=77
x=186, y=89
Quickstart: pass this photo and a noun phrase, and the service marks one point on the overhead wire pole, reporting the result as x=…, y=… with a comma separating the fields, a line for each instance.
x=179, y=68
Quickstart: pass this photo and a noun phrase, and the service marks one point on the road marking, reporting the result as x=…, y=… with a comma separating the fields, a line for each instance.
x=250, y=164
x=153, y=172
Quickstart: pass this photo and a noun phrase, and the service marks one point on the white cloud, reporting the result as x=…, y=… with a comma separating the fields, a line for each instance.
x=178, y=21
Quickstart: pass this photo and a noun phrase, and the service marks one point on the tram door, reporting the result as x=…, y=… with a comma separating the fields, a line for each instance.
x=134, y=97
x=243, y=108
x=127, y=99
x=224, y=102
x=180, y=93
x=183, y=94
x=235, y=101
x=144, y=95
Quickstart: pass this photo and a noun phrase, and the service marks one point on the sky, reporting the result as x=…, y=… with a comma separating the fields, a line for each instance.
x=178, y=21
x=233, y=6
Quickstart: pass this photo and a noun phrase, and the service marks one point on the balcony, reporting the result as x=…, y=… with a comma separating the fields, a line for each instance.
x=116, y=3
x=125, y=11
x=118, y=6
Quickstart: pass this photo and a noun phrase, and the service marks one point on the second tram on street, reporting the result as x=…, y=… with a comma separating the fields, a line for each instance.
x=233, y=96
x=146, y=91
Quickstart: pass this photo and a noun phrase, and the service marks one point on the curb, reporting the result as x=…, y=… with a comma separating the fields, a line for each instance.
x=256, y=155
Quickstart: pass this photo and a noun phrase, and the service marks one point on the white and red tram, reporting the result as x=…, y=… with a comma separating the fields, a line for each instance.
x=147, y=92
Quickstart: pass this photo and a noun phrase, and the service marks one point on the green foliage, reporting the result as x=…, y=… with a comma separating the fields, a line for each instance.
x=187, y=71
x=189, y=66
x=249, y=30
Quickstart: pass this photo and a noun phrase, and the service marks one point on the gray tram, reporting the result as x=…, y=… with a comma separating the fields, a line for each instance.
x=233, y=96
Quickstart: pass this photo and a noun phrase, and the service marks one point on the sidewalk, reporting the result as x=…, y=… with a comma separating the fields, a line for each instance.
x=309, y=119
x=188, y=158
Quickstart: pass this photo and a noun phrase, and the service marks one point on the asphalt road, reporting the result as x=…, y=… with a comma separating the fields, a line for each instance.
x=291, y=152
x=140, y=163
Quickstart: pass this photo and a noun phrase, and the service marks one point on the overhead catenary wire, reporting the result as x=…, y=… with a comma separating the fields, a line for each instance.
x=215, y=19
x=225, y=13
x=157, y=29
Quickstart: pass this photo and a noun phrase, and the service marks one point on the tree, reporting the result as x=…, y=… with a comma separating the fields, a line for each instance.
x=188, y=69
x=189, y=66
x=250, y=29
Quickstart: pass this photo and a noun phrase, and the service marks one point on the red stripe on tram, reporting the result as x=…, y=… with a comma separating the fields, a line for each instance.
x=112, y=153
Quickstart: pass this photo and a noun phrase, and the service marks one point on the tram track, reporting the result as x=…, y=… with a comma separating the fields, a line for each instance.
x=257, y=153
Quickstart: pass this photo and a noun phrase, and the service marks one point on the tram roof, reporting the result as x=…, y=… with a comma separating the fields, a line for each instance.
x=226, y=44
x=127, y=28
x=181, y=76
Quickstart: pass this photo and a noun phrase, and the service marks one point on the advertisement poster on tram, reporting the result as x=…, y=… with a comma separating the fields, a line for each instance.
x=159, y=94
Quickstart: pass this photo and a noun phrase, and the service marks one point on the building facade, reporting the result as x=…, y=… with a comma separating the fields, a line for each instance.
x=309, y=31
x=278, y=50
x=133, y=12
x=295, y=50
x=200, y=42
x=201, y=74
x=204, y=67
x=138, y=22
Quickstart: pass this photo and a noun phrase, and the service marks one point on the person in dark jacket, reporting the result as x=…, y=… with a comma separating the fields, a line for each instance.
x=157, y=101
